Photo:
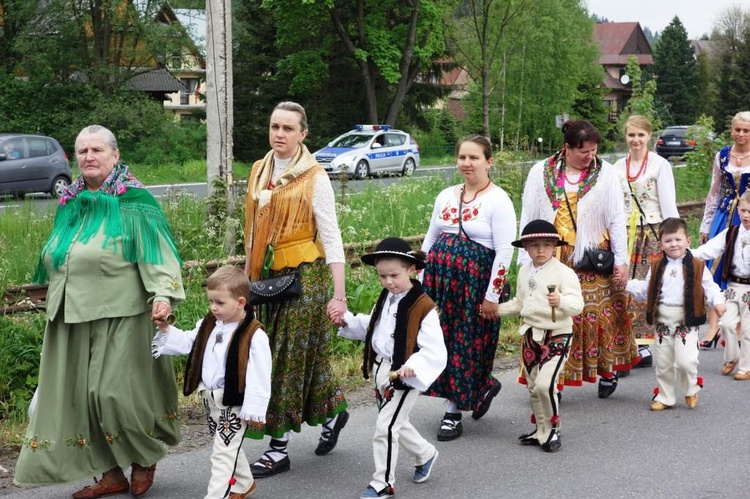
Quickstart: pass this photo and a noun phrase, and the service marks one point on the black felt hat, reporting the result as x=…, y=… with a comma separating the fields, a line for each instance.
x=393, y=247
x=539, y=229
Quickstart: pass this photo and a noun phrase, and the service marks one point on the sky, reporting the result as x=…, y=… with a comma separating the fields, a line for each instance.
x=697, y=16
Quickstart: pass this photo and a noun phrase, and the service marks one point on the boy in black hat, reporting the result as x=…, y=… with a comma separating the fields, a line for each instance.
x=405, y=352
x=548, y=295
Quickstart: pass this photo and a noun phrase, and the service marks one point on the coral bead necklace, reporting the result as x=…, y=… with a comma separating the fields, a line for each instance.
x=633, y=178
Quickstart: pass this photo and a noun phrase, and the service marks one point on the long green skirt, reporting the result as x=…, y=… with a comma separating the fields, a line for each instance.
x=303, y=389
x=103, y=401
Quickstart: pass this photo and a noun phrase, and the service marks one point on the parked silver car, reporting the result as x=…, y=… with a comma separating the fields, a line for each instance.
x=32, y=163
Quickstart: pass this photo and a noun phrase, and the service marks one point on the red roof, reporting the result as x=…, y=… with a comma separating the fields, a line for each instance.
x=618, y=41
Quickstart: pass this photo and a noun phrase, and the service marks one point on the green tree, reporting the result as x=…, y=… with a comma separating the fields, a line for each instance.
x=589, y=101
x=732, y=35
x=676, y=74
x=642, y=99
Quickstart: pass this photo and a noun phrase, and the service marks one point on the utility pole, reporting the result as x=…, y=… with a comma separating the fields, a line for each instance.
x=219, y=111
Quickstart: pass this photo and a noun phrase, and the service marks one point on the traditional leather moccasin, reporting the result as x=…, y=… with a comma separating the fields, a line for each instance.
x=658, y=406
x=728, y=367
x=742, y=375
x=243, y=495
x=102, y=488
x=692, y=400
x=141, y=479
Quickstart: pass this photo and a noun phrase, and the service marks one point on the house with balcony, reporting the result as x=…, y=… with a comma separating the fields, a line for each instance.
x=189, y=67
x=617, y=42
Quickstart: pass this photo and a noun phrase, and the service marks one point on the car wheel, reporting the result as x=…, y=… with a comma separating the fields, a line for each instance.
x=58, y=186
x=409, y=168
x=362, y=170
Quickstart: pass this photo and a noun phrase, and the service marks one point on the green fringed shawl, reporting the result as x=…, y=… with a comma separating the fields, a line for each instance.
x=135, y=217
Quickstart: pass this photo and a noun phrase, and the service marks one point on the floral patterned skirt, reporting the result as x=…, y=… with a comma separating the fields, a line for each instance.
x=603, y=341
x=95, y=410
x=303, y=389
x=456, y=277
x=646, y=249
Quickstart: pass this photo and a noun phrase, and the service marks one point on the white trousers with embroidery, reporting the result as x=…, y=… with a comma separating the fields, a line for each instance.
x=393, y=429
x=738, y=312
x=230, y=470
x=676, y=361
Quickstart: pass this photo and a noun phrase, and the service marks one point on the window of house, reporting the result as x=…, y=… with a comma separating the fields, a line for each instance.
x=190, y=85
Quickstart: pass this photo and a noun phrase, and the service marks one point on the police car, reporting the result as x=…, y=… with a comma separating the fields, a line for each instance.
x=370, y=150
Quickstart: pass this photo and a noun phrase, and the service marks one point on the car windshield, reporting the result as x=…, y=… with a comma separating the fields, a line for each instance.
x=677, y=132
x=353, y=140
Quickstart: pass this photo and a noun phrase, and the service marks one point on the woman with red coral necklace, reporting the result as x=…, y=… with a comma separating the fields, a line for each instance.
x=468, y=248
x=582, y=196
x=648, y=185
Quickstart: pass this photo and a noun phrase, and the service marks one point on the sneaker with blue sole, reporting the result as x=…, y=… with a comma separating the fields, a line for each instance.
x=422, y=472
x=371, y=492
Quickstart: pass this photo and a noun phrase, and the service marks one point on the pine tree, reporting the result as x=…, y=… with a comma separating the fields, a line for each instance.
x=676, y=74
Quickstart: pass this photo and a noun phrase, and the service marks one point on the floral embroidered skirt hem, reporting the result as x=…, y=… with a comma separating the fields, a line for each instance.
x=456, y=278
x=603, y=341
x=303, y=389
x=102, y=401
x=646, y=249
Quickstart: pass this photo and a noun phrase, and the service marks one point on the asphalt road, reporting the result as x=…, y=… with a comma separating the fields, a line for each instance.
x=612, y=448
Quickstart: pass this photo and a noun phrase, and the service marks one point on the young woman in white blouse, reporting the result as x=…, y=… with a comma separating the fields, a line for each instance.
x=648, y=185
x=469, y=250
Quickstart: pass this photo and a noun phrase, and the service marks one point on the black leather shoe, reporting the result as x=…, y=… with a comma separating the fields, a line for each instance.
x=450, y=429
x=484, y=403
x=529, y=440
x=266, y=467
x=608, y=389
x=553, y=443
x=646, y=361
x=330, y=437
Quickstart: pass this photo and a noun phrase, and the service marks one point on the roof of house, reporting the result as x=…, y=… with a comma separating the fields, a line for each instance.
x=154, y=80
x=618, y=41
x=701, y=47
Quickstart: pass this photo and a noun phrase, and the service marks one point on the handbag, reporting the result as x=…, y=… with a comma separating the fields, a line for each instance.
x=275, y=289
x=594, y=259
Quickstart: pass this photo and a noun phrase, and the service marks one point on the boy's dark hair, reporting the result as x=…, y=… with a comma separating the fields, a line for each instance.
x=672, y=225
x=230, y=278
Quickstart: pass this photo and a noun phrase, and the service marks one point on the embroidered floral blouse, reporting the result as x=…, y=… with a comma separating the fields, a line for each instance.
x=489, y=220
x=654, y=189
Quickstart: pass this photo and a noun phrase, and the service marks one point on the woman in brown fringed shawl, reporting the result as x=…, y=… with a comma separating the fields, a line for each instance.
x=291, y=225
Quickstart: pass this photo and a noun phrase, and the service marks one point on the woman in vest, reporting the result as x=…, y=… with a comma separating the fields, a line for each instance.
x=730, y=178
x=650, y=197
x=291, y=225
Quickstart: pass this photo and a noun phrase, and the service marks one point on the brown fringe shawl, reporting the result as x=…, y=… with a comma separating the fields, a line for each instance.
x=273, y=215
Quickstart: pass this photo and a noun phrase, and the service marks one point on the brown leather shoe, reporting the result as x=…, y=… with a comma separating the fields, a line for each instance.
x=692, y=400
x=141, y=479
x=658, y=406
x=742, y=375
x=243, y=495
x=102, y=488
x=728, y=367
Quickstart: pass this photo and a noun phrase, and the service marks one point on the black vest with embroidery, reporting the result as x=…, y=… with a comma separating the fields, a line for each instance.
x=693, y=297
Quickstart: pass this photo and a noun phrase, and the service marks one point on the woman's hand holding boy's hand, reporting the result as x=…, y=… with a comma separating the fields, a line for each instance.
x=720, y=308
x=488, y=310
x=406, y=372
x=554, y=299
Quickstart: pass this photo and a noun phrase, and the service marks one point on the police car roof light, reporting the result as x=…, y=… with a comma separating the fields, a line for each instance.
x=360, y=128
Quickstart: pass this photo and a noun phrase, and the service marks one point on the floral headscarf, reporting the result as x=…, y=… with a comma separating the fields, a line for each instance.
x=116, y=183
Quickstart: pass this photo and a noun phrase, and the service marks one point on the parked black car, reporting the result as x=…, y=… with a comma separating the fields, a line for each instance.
x=32, y=163
x=672, y=142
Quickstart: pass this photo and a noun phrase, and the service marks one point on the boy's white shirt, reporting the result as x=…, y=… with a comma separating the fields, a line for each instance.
x=717, y=245
x=673, y=286
x=427, y=363
x=533, y=305
x=257, y=378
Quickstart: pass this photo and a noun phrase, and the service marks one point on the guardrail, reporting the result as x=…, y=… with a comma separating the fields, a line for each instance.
x=31, y=298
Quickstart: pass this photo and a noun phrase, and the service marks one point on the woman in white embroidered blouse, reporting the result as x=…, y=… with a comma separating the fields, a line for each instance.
x=650, y=197
x=468, y=252
x=582, y=196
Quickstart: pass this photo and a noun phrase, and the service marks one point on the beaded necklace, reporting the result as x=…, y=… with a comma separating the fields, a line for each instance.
x=633, y=178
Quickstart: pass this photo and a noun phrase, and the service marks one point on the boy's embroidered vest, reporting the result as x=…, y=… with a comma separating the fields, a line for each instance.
x=729, y=252
x=237, y=356
x=412, y=309
x=694, y=301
